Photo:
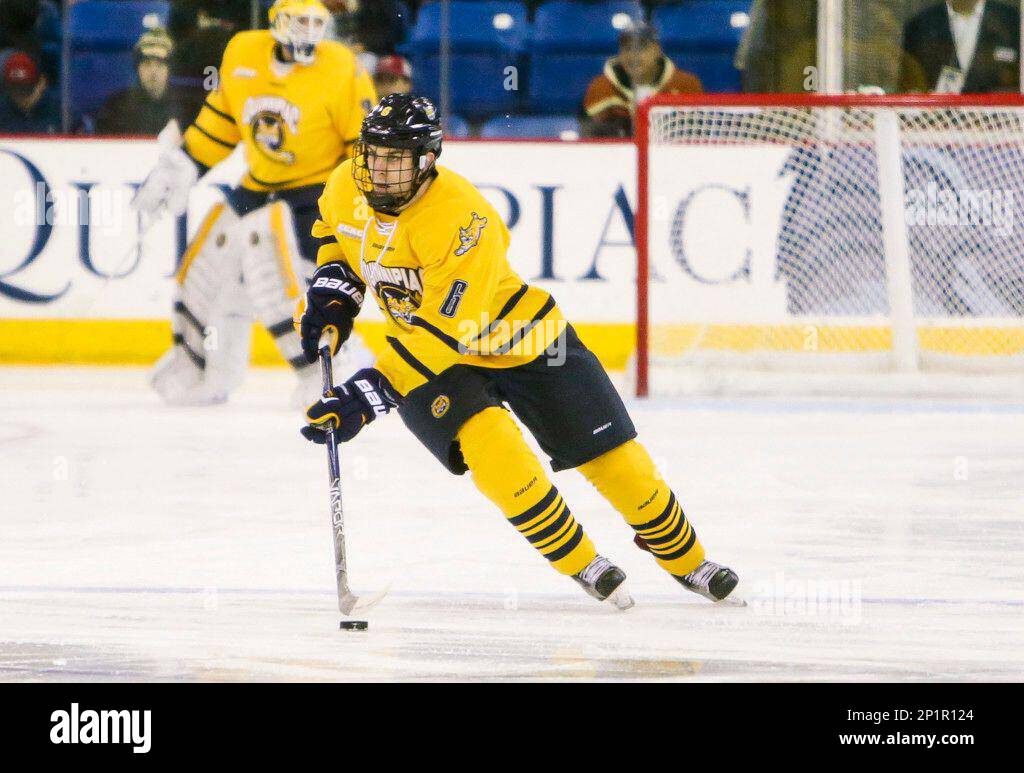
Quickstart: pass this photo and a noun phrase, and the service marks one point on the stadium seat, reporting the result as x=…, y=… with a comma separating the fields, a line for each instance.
x=701, y=36
x=456, y=127
x=579, y=27
x=486, y=38
x=101, y=36
x=571, y=42
x=531, y=127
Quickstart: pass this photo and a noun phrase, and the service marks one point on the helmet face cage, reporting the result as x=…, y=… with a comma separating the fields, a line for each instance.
x=388, y=176
x=299, y=27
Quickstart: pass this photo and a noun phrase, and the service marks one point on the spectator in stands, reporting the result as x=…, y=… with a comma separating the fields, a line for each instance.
x=200, y=48
x=640, y=70
x=393, y=75
x=146, y=107
x=779, y=49
x=963, y=46
x=27, y=106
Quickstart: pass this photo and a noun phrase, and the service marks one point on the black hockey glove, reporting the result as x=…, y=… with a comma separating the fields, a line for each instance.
x=354, y=404
x=332, y=303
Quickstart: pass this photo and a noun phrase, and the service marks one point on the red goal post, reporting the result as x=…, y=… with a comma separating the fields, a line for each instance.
x=881, y=227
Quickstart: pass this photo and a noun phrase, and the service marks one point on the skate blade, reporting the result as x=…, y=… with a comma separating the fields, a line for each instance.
x=732, y=601
x=620, y=599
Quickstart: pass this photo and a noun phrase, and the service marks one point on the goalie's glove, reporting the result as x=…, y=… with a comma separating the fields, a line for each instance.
x=331, y=304
x=353, y=405
x=169, y=183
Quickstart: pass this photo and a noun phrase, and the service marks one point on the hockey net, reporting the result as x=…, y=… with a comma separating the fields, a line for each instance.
x=851, y=243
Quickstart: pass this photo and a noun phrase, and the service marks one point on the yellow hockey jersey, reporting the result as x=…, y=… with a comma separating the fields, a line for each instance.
x=440, y=273
x=297, y=121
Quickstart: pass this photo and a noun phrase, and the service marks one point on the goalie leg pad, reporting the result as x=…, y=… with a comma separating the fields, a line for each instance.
x=275, y=275
x=211, y=322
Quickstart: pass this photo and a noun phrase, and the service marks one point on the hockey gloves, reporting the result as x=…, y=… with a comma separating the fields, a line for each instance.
x=354, y=404
x=331, y=304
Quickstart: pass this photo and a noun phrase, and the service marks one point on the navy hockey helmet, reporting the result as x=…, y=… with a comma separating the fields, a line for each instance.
x=391, y=156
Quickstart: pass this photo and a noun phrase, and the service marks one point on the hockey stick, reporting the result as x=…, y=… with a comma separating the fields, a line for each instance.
x=348, y=602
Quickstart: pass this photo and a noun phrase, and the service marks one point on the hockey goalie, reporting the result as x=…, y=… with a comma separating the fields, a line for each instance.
x=295, y=101
x=466, y=338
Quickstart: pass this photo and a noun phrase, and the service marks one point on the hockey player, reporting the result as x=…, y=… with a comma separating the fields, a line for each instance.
x=465, y=336
x=295, y=101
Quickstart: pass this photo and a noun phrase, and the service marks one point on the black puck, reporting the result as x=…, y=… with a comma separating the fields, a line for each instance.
x=353, y=625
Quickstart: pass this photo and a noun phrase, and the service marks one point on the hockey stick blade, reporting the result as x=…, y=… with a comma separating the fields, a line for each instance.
x=351, y=603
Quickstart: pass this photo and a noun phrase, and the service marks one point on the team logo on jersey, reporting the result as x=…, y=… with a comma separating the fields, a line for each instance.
x=469, y=236
x=401, y=302
x=440, y=406
x=400, y=289
x=271, y=120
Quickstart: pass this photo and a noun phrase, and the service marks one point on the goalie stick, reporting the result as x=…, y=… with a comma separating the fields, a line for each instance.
x=348, y=602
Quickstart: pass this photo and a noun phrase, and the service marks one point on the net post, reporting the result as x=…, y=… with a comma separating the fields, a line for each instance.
x=892, y=194
x=642, y=136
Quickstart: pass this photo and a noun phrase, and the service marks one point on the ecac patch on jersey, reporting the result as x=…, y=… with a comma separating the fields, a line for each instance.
x=440, y=406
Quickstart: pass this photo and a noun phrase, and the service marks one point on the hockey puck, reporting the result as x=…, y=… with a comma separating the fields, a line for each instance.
x=353, y=625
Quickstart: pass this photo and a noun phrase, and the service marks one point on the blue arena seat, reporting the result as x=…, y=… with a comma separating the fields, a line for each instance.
x=486, y=39
x=571, y=41
x=530, y=126
x=569, y=26
x=101, y=36
x=456, y=127
x=701, y=36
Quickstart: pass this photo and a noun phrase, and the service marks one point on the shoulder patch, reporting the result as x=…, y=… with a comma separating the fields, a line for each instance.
x=347, y=230
x=469, y=236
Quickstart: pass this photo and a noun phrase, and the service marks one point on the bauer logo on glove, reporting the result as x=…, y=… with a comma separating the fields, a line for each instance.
x=333, y=301
x=353, y=405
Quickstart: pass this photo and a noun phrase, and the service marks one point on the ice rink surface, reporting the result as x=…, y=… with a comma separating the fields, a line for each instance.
x=874, y=541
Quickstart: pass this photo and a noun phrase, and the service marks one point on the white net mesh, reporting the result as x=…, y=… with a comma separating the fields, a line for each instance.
x=835, y=239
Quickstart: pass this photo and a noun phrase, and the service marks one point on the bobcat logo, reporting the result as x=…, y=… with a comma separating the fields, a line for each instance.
x=401, y=302
x=271, y=120
x=470, y=235
x=268, y=134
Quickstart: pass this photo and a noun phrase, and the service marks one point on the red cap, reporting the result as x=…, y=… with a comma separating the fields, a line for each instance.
x=395, y=65
x=21, y=70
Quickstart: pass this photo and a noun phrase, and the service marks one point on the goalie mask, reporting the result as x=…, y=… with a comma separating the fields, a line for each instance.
x=298, y=26
x=392, y=155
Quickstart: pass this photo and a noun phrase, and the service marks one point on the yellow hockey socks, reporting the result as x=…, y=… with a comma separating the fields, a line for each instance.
x=509, y=474
x=628, y=479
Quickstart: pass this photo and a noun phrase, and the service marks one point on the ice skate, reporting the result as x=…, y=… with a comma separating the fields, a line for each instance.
x=605, y=582
x=712, y=581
